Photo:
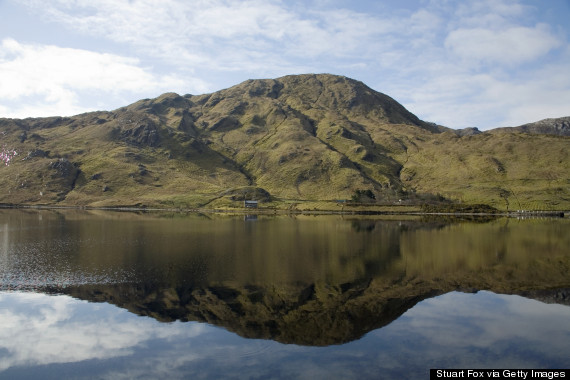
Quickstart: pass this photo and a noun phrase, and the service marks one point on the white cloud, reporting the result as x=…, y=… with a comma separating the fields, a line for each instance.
x=489, y=13
x=215, y=32
x=40, y=69
x=510, y=46
x=545, y=92
x=47, y=79
x=465, y=99
x=486, y=69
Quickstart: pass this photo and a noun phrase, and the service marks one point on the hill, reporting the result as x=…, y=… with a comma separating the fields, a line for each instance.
x=302, y=137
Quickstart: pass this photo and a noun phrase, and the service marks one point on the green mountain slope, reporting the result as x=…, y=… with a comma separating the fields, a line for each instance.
x=303, y=137
x=508, y=170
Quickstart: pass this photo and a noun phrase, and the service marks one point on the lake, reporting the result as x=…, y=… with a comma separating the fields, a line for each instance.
x=101, y=294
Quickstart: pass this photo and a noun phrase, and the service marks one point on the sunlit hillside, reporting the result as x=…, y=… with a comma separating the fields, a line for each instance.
x=295, y=138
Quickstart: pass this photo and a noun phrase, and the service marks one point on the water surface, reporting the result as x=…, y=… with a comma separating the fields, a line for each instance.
x=110, y=295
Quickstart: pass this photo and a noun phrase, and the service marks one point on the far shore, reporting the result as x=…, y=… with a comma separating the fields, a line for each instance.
x=355, y=210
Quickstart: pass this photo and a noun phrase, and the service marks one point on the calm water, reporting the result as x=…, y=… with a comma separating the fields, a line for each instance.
x=90, y=294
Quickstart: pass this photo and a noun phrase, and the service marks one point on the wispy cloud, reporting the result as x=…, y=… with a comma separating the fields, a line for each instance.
x=444, y=60
x=216, y=32
x=507, y=47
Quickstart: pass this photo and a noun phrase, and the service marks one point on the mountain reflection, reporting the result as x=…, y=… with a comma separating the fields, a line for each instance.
x=304, y=279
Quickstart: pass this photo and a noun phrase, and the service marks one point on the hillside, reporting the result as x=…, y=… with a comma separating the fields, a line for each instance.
x=303, y=137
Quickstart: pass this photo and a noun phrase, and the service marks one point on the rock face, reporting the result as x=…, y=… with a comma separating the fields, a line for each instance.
x=559, y=126
x=140, y=133
x=300, y=137
x=468, y=132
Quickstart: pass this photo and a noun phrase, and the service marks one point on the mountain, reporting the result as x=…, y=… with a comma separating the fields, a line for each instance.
x=286, y=140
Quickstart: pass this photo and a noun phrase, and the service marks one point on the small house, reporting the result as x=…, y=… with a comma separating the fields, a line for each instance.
x=250, y=204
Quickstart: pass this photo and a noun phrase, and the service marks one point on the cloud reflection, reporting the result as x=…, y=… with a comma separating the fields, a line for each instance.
x=37, y=329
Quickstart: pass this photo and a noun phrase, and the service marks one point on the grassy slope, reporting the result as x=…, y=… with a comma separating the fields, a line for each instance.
x=520, y=171
x=170, y=174
x=301, y=138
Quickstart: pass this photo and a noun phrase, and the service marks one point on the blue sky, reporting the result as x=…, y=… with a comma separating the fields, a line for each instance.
x=469, y=63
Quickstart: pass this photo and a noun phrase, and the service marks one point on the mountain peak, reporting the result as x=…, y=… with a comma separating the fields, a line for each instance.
x=326, y=92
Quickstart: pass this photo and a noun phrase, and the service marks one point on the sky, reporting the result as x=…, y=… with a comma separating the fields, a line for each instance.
x=468, y=63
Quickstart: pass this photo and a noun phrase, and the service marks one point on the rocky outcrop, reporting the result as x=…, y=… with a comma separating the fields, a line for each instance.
x=558, y=126
x=139, y=131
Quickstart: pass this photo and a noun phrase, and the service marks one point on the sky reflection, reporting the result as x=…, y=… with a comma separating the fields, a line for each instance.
x=38, y=329
x=485, y=330
x=59, y=335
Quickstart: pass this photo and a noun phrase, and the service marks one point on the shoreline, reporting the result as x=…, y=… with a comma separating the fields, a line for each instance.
x=289, y=211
